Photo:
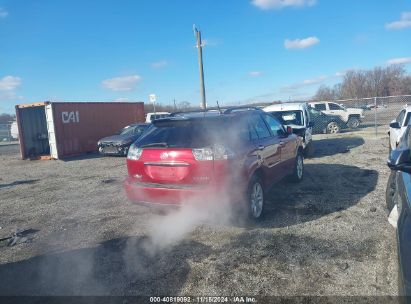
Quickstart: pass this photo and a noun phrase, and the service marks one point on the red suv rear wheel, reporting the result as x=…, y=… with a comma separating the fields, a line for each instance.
x=255, y=197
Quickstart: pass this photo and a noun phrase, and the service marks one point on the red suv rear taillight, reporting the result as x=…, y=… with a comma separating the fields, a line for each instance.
x=134, y=153
x=216, y=152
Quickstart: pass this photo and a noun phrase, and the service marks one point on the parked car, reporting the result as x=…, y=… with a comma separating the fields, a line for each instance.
x=157, y=115
x=119, y=143
x=399, y=197
x=398, y=127
x=323, y=123
x=373, y=106
x=295, y=115
x=239, y=152
x=351, y=116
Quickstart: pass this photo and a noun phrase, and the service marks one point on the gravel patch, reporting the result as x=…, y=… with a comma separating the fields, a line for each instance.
x=328, y=235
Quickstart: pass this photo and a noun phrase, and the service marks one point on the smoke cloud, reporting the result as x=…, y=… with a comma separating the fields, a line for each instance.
x=168, y=229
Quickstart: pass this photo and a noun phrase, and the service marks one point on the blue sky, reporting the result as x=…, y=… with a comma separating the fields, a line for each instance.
x=255, y=50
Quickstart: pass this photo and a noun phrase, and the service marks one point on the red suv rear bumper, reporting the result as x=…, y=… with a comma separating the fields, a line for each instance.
x=166, y=195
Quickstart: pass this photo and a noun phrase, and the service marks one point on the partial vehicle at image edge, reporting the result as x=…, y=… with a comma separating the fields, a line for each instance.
x=190, y=156
x=398, y=195
x=398, y=126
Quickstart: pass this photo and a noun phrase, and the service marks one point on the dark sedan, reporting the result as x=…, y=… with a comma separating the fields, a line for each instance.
x=399, y=197
x=326, y=123
x=119, y=143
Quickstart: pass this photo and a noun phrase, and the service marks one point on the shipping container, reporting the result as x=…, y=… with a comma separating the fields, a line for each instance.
x=62, y=129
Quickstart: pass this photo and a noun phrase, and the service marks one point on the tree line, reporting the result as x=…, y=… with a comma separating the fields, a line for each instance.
x=177, y=107
x=378, y=82
x=7, y=118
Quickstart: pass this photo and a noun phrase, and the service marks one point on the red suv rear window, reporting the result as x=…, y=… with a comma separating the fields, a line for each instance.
x=194, y=133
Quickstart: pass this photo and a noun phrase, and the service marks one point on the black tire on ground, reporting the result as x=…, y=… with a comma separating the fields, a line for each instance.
x=353, y=122
x=255, y=198
x=390, y=191
x=298, y=173
x=333, y=128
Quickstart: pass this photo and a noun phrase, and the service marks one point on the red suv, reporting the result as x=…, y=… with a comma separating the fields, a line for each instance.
x=239, y=152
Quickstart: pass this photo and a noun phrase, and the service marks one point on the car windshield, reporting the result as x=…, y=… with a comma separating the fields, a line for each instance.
x=290, y=117
x=314, y=112
x=133, y=130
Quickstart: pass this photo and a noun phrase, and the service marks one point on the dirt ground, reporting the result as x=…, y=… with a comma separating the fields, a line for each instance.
x=328, y=235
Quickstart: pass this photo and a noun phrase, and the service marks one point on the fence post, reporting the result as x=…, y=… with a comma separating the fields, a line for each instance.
x=375, y=116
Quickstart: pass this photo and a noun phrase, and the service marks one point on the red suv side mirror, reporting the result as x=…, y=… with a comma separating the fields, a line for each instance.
x=289, y=130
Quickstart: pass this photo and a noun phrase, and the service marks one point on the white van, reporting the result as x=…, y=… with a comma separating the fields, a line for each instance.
x=297, y=116
x=157, y=115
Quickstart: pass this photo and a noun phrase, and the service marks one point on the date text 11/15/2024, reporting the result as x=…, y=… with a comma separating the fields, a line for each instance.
x=203, y=299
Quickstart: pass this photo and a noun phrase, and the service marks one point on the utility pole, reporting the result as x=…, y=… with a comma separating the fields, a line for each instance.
x=200, y=66
x=175, y=106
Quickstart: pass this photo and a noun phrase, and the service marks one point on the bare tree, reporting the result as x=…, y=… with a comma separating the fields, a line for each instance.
x=378, y=82
x=395, y=79
x=337, y=91
x=184, y=105
x=354, y=84
x=149, y=108
x=6, y=118
x=406, y=85
x=324, y=92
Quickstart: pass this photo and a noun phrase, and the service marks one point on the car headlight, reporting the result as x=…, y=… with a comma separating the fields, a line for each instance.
x=134, y=153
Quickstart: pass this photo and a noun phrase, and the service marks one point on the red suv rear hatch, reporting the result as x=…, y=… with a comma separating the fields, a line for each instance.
x=176, y=158
x=170, y=166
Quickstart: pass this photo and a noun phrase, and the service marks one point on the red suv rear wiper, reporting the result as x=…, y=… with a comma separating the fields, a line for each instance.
x=159, y=144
